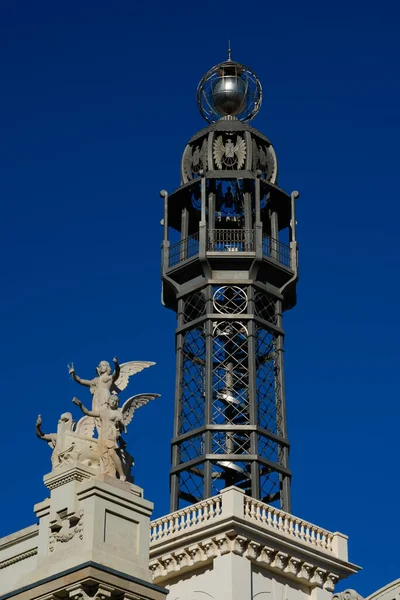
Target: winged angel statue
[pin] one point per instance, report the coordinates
(76, 442)
(229, 155)
(112, 420)
(107, 382)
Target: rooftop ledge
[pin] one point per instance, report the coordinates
(234, 522)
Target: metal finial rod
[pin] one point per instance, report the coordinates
(229, 50)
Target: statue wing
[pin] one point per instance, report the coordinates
(133, 404)
(85, 427)
(219, 151)
(240, 150)
(126, 370)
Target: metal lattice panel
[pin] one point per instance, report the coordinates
(192, 380)
(265, 307)
(191, 484)
(269, 400)
(270, 486)
(231, 442)
(191, 448)
(226, 473)
(230, 377)
(269, 449)
(194, 306)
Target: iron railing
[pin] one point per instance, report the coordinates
(186, 248)
(273, 248)
(230, 240)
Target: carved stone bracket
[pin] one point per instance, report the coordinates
(84, 591)
(63, 530)
(347, 595)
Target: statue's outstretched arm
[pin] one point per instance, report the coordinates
(50, 437)
(117, 371)
(89, 413)
(75, 377)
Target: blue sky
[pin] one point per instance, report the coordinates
(98, 101)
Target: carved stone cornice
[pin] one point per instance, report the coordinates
(205, 551)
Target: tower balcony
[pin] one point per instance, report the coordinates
(231, 249)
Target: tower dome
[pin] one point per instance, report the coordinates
(228, 146)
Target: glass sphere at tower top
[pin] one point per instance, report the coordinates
(229, 89)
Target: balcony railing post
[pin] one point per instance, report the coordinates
(165, 254)
(258, 241)
(203, 240)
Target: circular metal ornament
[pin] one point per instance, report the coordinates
(230, 300)
(229, 90)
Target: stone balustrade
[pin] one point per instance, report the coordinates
(232, 502)
(274, 518)
(186, 518)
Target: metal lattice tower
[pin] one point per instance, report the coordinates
(229, 270)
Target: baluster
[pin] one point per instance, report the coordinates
(199, 513)
(286, 524)
(296, 531)
(269, 517)
(263, 514)
(308, 537)
(188, 518)
(164, 527)
(291, 527)
(321, 538)
(252, 511)
(258, 512)
(218, 509)
(168, 522)
(280, 522)
(313, 536)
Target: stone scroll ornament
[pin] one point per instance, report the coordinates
(75, 442)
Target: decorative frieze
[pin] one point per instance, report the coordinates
(14, 559)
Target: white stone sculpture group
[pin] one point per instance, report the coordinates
(75, 442)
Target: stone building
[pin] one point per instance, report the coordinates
(230, 269)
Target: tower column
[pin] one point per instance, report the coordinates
(225, 280)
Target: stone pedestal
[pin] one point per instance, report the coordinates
(92, 541)
(98, 519)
